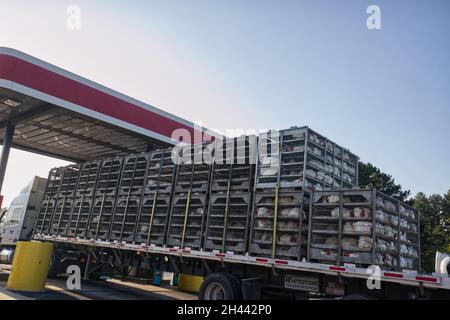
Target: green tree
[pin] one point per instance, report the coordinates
(434, 226)
(371, 176)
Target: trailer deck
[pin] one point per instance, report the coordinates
(405, 278)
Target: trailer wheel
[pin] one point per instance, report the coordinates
(220, 286)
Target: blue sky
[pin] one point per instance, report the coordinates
(384, 94)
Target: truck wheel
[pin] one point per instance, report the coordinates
(220, 286)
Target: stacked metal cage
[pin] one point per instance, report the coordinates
(104, 199)
(291, 163)
(283, 195)
(49, 201)
(278, 224)
(128, 200)
(190, 197)
(363, 227)
(65, 201)
(83, 199)
(156, 199)
(230, 198)
(300, 157)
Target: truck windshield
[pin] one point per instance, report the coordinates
(12, 217)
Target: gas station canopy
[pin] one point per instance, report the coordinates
(56, 113)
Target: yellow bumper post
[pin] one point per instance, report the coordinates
(30, 266)
(189, 283)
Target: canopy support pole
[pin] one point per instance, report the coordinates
(7, 142)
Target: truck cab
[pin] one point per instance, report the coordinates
(18, 221)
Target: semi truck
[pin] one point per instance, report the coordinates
(17, 222)
(144, 214)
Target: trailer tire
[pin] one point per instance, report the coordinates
(220, 286)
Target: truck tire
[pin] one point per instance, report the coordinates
(220, 286)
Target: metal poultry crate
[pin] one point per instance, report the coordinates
(193, 172)
(227, 222)
(156, 200)
(153, 219)
(109, 177)
(58, 199)
(133, 174)
(187, 219)
(124, 218)
(106, 191)
(127, 204)
(61, 215)
(300, 157)
(79, 218)
(69, 180)
(234, 164)
(75, 224)
(49, 200)
(100, 218)
(279, 224)
(190, 198)
(230, 199)
(88, 179)
(363, 227)
(160, 174)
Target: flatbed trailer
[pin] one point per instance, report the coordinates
(254, 277)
